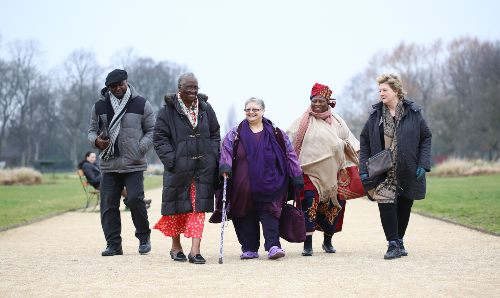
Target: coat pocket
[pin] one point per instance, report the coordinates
(132, 151)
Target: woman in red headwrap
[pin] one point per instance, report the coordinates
(324, 145)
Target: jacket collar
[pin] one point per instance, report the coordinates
(171, 100)
(105, 92)
(407, 103)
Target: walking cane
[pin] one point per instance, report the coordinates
(223, 222)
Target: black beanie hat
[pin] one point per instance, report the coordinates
(116, 76)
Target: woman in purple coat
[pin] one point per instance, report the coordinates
(260, 162)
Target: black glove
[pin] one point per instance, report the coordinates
(298, 182)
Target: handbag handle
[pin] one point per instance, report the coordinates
(296, 199)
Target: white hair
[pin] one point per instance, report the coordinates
(258, 101)
(185, 76)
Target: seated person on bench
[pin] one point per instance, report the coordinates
(93, 173)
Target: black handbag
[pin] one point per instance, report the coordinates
(379, 163)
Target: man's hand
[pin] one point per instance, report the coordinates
(101, 144)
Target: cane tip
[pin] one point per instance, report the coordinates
(220, 261)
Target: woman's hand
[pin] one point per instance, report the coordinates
(363, 177)
(225, 175)
(420, 173)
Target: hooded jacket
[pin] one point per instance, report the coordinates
(136, 132)
(187, 154)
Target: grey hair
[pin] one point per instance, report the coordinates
(185, 76)
(258, 101)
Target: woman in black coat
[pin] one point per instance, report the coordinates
(396, 123)
(90, 169)
(187, 140)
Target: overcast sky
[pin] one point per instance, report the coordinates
(275, 50)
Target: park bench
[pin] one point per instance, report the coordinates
(91, 193)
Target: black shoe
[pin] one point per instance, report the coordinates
(307, 252)
(178, 256)
(197, 259)
(402, 249)
(328, 248)
(393, 251)
(144, 246)
(112, 250)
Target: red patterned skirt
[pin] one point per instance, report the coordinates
(190, 224)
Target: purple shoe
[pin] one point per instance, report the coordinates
(247, 255)
(275, 252)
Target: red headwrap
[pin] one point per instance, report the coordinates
(322, 90)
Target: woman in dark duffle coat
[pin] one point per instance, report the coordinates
(396, 123)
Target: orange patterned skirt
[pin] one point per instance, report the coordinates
(190, 224)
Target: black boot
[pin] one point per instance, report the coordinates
(144, 246)
(327, 244)
(392, 251)
(112, 250)
(404, 252)
(308, 250)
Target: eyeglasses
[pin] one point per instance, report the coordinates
(252, 110)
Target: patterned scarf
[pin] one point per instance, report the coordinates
(385, 192)
(115, 124)
(191, 112)
(304, 124)
(320, 149)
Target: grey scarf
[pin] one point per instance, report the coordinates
(115, 124)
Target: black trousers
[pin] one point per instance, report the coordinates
(395, 217)
(248, 230)
(111, 186)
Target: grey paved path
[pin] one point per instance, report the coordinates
(60, 257)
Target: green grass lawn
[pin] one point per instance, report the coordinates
(473, 201)
(62, 192)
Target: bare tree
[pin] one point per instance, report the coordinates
(154, 79)
(24, 55)
(8, 92)
(458, 86)
(78, 92)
